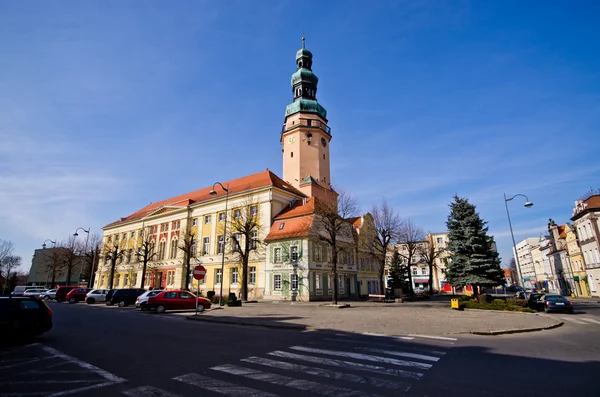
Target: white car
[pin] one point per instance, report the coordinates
(34, 291)
(96, 295)
(47, 295)
(142, 300)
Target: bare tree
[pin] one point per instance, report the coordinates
(411, 237)
(333, 227)
(429, 253)
(9, 262)
(92, 257)
(70, 259)
(145, 252)
(388, 226)
(6, 249)
(244, 230)
(187, 244)
(113, 251)
(53, 265)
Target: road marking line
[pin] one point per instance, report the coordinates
(148, 391)
(389, 345)
(98, 371)
(86, 388)
(48, 382)
(326, 373)
(367, 357)
(347, 364)
(572, 320)
(590, 320)
(29, 361)
(222, 387)
(288, 381)
(388, 336)
(400, 354)
(434, 337)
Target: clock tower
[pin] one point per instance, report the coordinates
(305, 135)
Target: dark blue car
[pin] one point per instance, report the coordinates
(557, 303)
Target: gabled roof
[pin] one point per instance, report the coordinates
(260, 180)
(297, 220)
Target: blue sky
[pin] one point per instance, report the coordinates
(106, 106)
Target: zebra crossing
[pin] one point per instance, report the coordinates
(336, 365)
(580, 320)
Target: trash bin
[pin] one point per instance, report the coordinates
(454, 304)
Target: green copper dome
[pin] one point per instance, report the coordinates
(303, 52)
(306, 106)
(304, 75)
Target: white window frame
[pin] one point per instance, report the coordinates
(170, 277)
(253, 210)
(277, 255)
(277, 282)
(341, 283)
(235, 275)
(318, 281)
(237, 213)
(218, 276)
(207, 219)
(173, 253)
(253, 239)
(252, 275)
(220, 243)
(294, 252)
(222, 216)
(206, 246)
(294, 281)
(195, 222)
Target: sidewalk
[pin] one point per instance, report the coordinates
(431, 318)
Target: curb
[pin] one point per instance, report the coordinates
(516, 331)
(293, 327)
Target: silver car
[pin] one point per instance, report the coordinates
(34, 291)
(49, 294)
(142, 300)
(96, 295)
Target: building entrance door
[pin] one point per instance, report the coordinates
(158, 281)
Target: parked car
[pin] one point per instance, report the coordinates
(21, 289)
(177, 300)
(557, 303)
(535, 302)
(34, 291)
(23, 317)
(77, 295)
(96, 295)
(124, 297)
(62, 291)
(47, 295)
(142, 300)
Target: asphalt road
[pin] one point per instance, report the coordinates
(111, 351)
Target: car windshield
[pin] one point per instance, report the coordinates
(554, 298)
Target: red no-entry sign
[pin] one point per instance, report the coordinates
(199, 272)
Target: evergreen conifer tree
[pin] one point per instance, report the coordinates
(473, 260)
(398, 272)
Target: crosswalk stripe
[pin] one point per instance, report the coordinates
(401, 354)
(360, 356)
(572, 320)
(148, 391)
(287, 381)
(390, 345)
(221, 387)
(347, 364)
(326, 373)
(388, 336)
(590, 320)
(434, 337)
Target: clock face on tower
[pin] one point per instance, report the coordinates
(291, 139)
(324, 142)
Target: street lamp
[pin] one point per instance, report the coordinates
(527, 205)
(44, 244)
(213, 192)
(84, 249)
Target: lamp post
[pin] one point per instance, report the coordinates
(84, 249)
(44, 247)
(527, 205)
(213, 192)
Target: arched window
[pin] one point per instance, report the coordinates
(162, 246)
(173, 248)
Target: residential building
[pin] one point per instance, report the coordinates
(551, 283)
(525, 261)
(541, 273)
(585, 221)
(419, 268)
(48, 268)
(559, 257)
(577, 262)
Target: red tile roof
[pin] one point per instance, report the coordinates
(262, 179)
(292, 227)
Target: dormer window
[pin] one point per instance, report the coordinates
(281, 225)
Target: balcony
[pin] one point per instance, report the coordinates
(310, 123)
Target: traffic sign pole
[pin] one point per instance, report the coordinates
(199, 273)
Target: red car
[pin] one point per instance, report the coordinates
(77, 295)
(176, 300)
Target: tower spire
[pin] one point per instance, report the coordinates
(303, 38)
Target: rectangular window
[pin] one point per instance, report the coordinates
(175, 225)
(294, 282)
(205, 245)
(415, 272)
(221, 217)
(132, 234)
(254, 210)
(206, 219)
(218, 276)
(253, 239)
(234, 275)
(341, 284)
(174, 248)
(134, 280)
(235, 243)
(117, 280)
(318, 253)
(220, 244)
(164, 227)
(126, 280)
(195, 222)
(277, 282)
(294, 253)
(318, 281)
(193, 248)
(439, 240)
(423, 271)
(237, 214)
(171, 277)
(252, 275)
(277, 255)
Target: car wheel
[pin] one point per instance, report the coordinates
(109, 303)
(46, 298)
(122, 304)
(201, 307)
(90, 301)
(160, 309)
(143, 307)
(72, 300)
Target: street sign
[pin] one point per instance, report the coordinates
(199, 272)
